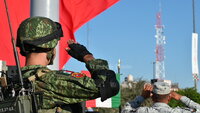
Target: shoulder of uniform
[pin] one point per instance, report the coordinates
(39, 72)
(43, 71)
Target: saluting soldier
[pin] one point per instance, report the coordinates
(37, 38)
(161, 95)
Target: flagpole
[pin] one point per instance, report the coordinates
(193, 13)
(49, 9)
(194, 32)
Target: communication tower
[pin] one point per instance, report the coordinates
(160, 50)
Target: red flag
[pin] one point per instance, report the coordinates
(75, 13)
(18, 11)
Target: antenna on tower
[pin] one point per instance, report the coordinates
(160, 6)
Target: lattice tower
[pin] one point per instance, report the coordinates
(160, 50)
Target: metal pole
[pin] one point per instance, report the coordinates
(195, 81)
(15, 49)
(49, 9)
(154, 74)
(194, 31)
(193, 12)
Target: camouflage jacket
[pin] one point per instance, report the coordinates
(158, 107)
(60, 87)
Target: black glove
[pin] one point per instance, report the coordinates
(78, 51)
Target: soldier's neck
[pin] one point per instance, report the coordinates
(162, 101)
(37, 59)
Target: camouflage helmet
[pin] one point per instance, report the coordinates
(38, 34)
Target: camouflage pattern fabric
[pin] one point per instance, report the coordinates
(60, 87)
(160, 107)
(54, 110)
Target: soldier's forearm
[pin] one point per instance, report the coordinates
(96, 64)
(131, 107)
(137, 102)
(188, 102)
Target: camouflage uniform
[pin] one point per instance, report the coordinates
(60, 87)
(158, 107)
(40, 34)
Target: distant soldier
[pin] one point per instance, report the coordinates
(161, 95)
(37, 38)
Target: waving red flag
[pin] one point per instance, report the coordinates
(75, 13)
(18, 11)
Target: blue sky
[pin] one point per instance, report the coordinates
(126, 31)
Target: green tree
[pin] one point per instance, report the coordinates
(128, 94)
(190, 93)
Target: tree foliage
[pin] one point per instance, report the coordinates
(128, 94)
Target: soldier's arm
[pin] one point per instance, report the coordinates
(104, 78)
(88, 57)
(133, 105)
(81, 53)
(191, 104)
(188, 102)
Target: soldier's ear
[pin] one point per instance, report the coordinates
(51, 55)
